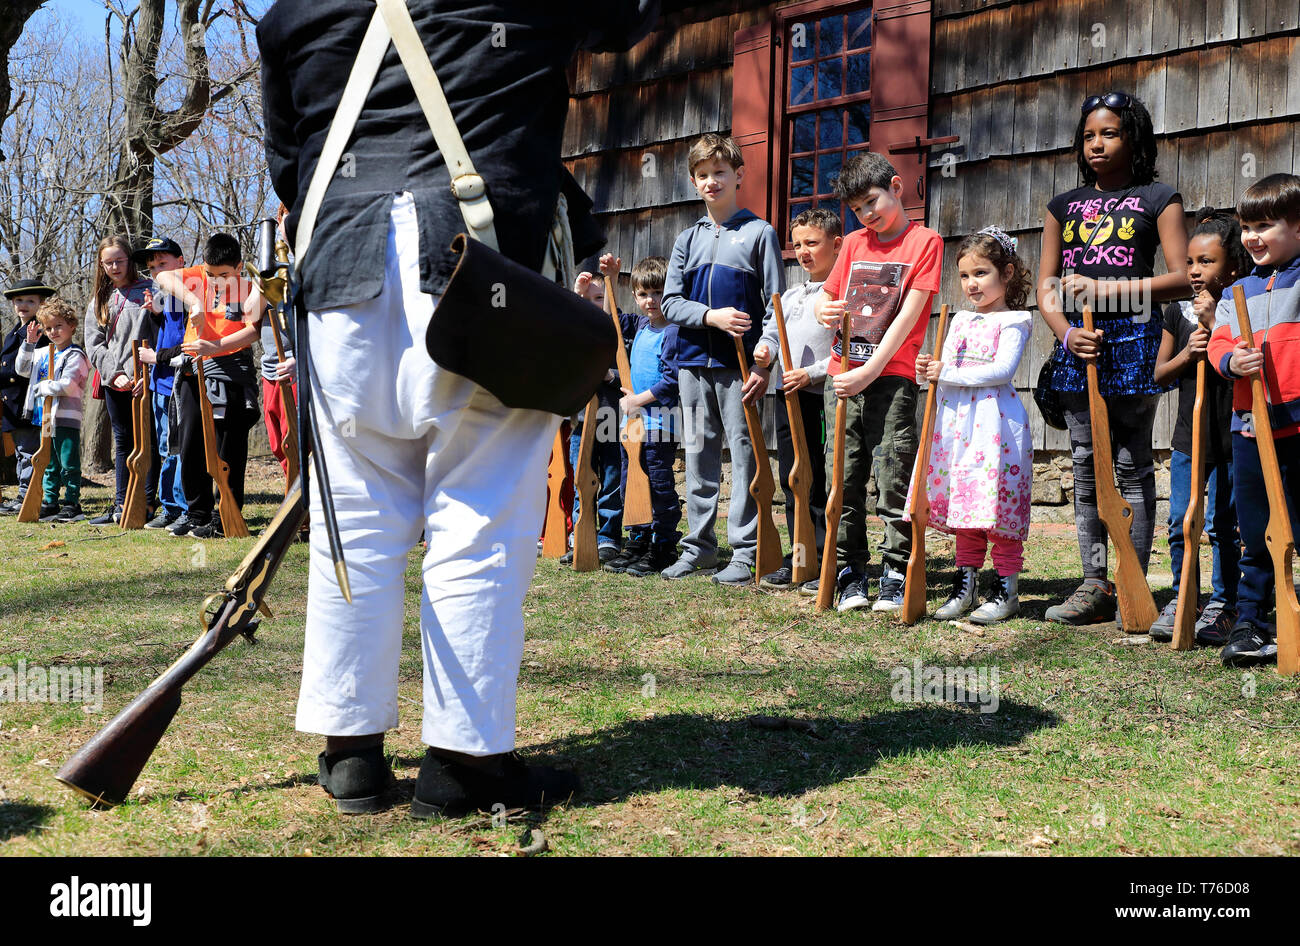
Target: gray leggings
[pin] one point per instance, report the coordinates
(1132, 418)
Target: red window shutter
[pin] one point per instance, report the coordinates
(900, 93)
(751, 103)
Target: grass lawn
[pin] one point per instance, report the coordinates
(703, 720)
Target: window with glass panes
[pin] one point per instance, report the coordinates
(827, 107)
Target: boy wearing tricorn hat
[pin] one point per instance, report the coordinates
(26, 296)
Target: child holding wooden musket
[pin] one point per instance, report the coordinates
(1215, 260)
(26, 296)
(57, 319)
(982, 459)
(653, 364)
(1103, 236)
(722, 274)
(816, 236)
(884, 278)
(1270, 231)
(606, 454)
(161, 255)
(224, 310)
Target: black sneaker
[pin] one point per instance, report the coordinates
(183, 525)
(161, 521)
(633, 551)
(10, 507)
(107, 518)
(49, 512)
(779, 579)
(809, 589)
(70, 512)
(1163, 628)
(607, 553)
(853, 590)
(1249, 645)
(449, 788)
(357, 779)
(567, 558)
(658, 557)
(1089, 604)
(1214, 626)
(210, 529)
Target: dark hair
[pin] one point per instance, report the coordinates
(1276, 197)
(222, 249)
(1135, 125)
(1224, 225)
(827, 221)
(993, 250)
(864, 170)
(649, 274)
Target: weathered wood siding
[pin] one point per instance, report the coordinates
(1220, 77)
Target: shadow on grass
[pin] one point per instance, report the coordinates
(690, 751)
(18, 818)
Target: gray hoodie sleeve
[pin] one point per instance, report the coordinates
(769, 264)
(96, 350)
(676, 307)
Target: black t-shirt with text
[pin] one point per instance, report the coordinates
(1180, 323)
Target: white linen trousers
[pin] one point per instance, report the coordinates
(412, 446)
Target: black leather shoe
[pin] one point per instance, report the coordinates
(448, 788)
(357, 779)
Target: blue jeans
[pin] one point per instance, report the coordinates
(1220, 525)
(170, 494)
(658, 454)
(1255, 600)
(607, 462)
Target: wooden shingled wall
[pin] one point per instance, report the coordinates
(1220, 77)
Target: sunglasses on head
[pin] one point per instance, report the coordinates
(1110, 100)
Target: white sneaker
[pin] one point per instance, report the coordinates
(963, 595)
(1003, 606)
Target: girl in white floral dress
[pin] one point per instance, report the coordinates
(981, 460)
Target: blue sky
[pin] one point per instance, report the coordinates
(86, 16)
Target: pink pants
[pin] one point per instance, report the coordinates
(1008, 554)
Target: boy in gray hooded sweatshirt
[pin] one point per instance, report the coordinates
(722, 275)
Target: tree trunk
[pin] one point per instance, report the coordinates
(13, 16)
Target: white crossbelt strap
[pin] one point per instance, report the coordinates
(392, 21)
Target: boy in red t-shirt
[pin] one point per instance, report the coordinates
(884, 277)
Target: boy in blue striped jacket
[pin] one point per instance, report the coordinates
(722, 275)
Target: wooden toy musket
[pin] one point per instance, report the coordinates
(762, 487)
(31, 508)
(555, 534)
(1277, 535)
(835, 493)
(803, 544)
(586, 556)
(135, 505)
(232, 519)
(289, 403)
(1189, 581)
(637, 509)
(1137, 608)
(914, 588)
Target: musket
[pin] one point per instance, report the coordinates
(273, 291)
(1189, 581)
(637, 509)
(914, 587)
(31, 508)
(1137, 608)
(835, 493)
(135, 505)
(803, 544)
(105, 768)
(232, 518)
(762, 487)
(586, 556)
(1277, 535)
(555, 534)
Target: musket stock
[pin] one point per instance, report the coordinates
(767, 557)
(835, 494)
(637, 509)
(1189, 580)
(135, 505)
(804, 559)
(914, 587)
(31, 507)
(555, 534)
(586, 557)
